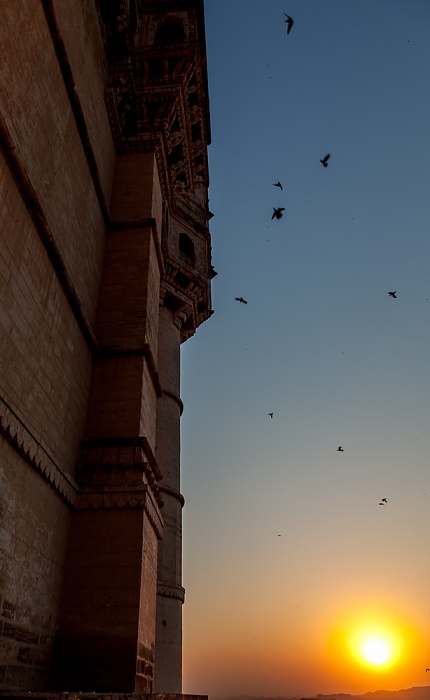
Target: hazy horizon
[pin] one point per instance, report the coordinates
(420, 691)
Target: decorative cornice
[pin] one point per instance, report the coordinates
(102, 457)
(168, 590)
(136, 497)
(188, 293)
(157, 93)
(173, 494)
(31, 449)
(175, 398)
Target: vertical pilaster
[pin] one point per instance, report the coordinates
(106, 636)
(170, 594)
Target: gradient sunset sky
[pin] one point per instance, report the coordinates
(288, 555)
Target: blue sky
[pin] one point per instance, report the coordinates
(320, 344)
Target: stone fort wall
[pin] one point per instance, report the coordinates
(104, 270)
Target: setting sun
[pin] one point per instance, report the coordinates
(376, 651)
(375, 647)
(372, 644)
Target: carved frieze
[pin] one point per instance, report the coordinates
(169, 591)
(114, 462)
(188, 293)
(157, 85)
(30, 448)
(130, 496)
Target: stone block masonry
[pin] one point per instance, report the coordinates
(30, 579)
(105, 270)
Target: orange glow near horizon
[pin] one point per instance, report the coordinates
(374, 645)
(349, 648)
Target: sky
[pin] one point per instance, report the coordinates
(288, 556)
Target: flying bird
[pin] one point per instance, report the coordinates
(382, 503)
(278, 184)
(427, 669)
(384, 500)
(289, 22)
(340, 449)
(277, 213)
(392, 294)
(241, 300)
(270, 414)
(324, 161)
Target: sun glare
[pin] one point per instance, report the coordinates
(375, 648)
(370, 645)
(376, 651)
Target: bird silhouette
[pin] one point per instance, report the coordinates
(384, 500)
(241, 300)
(381, 503)
(324, 161)
(289, 22)
(278, 184)
(340, 449)
(427, 669)
(392, 294)
(270, 414)
(277, 213)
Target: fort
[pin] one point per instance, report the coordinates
(105, 269)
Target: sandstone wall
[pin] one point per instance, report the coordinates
(55, 179)
(34, 526)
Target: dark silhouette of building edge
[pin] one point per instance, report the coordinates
(105, 269)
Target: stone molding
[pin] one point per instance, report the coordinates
(173, 494)
(187, 294)
(189, 313)
(175, 398)
(99, 452)
(34, 207)
(168, 590)
(104, 462)
(123, 497)
(160, 94)
(31, 449)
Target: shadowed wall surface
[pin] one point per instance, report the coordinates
(104, 127)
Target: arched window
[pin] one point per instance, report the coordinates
(186, 249)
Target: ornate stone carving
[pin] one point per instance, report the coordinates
(170, 591)
(30, 448)
(118, 22)
(103, 460)
(173, 494)
(158, 89)
(130, 496)
(189, 295)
